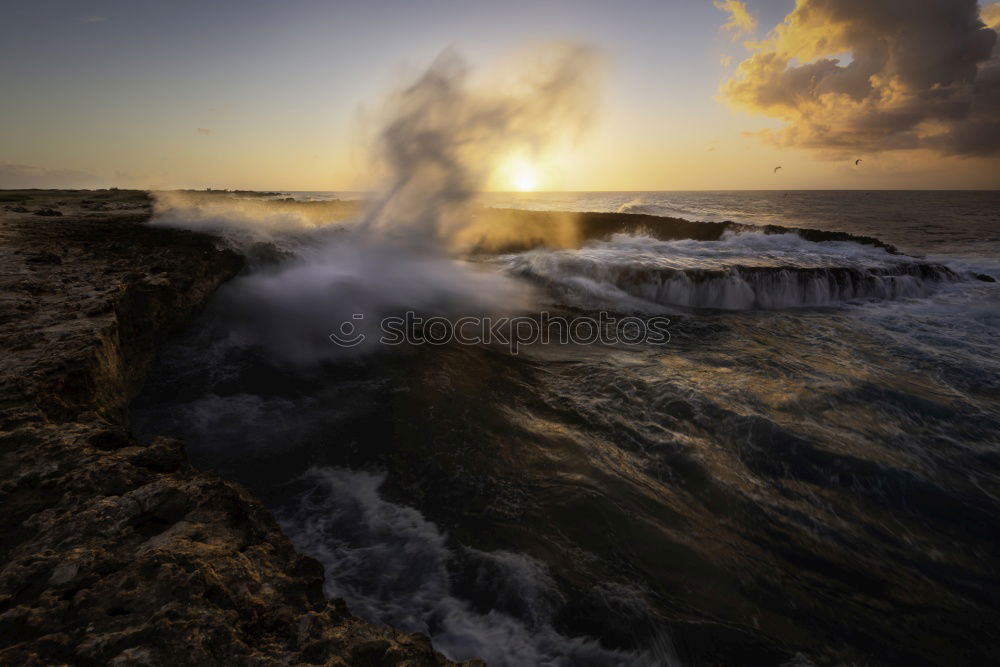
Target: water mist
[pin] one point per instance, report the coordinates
(438, 146)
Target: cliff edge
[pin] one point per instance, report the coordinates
(112, 551)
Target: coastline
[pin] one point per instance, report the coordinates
(115, 551)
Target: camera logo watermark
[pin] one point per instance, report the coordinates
(349, 336)
(511, 332)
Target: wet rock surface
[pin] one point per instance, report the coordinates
(114, 551)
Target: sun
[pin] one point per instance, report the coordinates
(524, 176)
(517, 173)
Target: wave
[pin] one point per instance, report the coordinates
(740, 271)
(517, 230)
(393, 566)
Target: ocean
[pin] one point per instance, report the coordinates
(805, 472)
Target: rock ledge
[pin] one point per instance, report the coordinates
(115, 552)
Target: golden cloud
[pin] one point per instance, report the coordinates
(741, 21)
(853, 76)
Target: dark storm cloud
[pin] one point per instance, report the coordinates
(919, 74)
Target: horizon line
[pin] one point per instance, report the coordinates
(509, 192)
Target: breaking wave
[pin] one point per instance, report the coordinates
(393, 566)
(740, 271)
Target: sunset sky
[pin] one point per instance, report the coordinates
(695, 94)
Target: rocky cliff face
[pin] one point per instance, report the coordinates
(112, 551)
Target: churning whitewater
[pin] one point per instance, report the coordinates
(738, 272)
(822, 390)
(798, 475)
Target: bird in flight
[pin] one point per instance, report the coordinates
(776, 169)
(857, 162)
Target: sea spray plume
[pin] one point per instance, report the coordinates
(438, 146)
(247, 221)
(444, 134)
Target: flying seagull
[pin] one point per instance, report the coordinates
(776, 169)
(857, 162)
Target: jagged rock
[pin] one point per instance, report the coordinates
(114, 552)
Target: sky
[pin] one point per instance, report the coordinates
(694, 94)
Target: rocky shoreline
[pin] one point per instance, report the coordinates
(119, 552)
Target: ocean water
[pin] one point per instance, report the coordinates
(807, 473)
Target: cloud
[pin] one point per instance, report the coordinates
(204, 130)
(22, 176)
(741, 21)
(990, 15)
(94, 19)
(917, 75)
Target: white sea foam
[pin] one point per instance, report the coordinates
(738, 272)
(392, 566)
